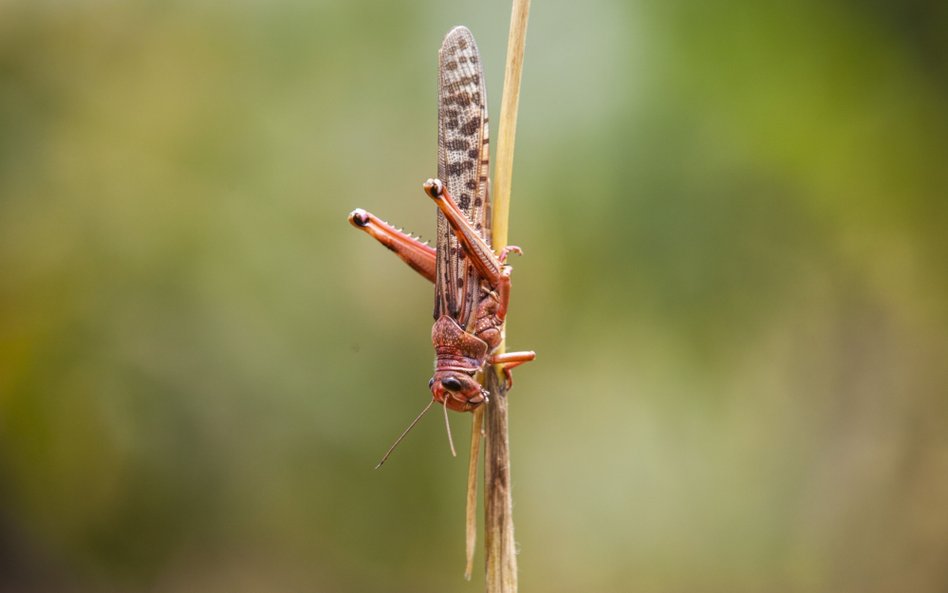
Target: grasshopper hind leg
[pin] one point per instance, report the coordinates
(416, 253)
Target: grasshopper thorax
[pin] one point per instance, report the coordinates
(459, 357)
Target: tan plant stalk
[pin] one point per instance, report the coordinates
(501, 558)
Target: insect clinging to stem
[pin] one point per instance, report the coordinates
(472, 282)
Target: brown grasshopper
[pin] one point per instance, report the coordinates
(472, 282)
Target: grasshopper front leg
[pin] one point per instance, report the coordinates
(508, 360)
(418, 255)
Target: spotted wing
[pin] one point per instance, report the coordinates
(463, 166)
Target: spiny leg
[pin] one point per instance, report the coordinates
(418, 255)
(483, 257)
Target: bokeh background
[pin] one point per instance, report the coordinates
(734, 217)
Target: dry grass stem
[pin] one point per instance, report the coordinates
(501, 559)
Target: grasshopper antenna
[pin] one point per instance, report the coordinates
(448, 425)
(405, 432)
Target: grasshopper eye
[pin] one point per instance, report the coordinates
(430, 382)
(451, 383)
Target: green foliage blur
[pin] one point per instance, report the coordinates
(735, 224)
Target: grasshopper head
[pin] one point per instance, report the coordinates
(458, 391)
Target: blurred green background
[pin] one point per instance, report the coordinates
(734, 217)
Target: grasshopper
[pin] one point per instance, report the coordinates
(472, 282)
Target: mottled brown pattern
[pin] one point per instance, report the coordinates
(463, 149)
(471, 126)
(459, 97)
(456, 169)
